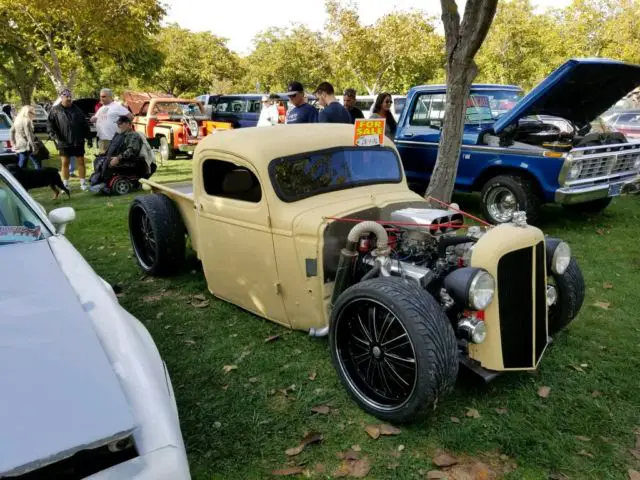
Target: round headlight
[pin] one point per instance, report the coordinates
(575, 170)
(561, 258)
(481, 290)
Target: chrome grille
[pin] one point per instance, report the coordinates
(596, 166)
(625, 162)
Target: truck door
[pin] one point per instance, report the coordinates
(235, 241)
(418, 137)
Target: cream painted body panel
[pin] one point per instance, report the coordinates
(487, 252)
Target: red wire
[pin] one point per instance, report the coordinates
(402, 224)
(460, 211)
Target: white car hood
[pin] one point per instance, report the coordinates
(58, 391)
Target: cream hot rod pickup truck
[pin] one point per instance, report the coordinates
(300, 227)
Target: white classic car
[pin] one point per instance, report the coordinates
(84, 391)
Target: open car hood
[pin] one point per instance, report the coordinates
(578, 91)
(60, 394)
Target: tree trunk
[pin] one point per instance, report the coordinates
(26, 93)
(463, 39)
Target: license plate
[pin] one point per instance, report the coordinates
(615, 189)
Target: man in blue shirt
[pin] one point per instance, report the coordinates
(333, 111)
(301, 112)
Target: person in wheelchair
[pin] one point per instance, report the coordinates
(124, 156)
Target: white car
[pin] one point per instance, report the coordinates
(7, 154)
(85, 393)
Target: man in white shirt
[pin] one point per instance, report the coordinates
(105, 119)
(269, 112)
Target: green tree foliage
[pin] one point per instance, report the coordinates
(19, 71)
(193, 62)
(62, 35)
(400, 50)
(282, 55)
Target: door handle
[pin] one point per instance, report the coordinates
(408, 135)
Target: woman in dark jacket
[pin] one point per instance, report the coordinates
(69, 127)
(382, 109)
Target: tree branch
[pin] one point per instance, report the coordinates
(451, 21)
(478, 15)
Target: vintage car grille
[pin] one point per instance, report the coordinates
(516, 302)
(608, 164)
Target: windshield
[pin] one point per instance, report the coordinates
(176, 108)
(5, 123)
(299, 177)
(18, 222)
(499, 102)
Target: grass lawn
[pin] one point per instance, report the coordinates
(237, 425)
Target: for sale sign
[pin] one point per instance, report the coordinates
(368, 133)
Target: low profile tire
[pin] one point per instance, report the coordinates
(594, 206)
(570, 288)
(121, 186)
(505, 194)
(393, 347)
(166, 152)
(157, 234)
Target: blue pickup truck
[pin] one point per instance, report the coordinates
(523, 151)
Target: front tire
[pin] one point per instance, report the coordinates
(157, 234)
(594, 206)
(570, 288)
(505, 194)
(393, 347)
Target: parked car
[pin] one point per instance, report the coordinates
(85, 393)
(626, 122)
(300, 227)
(7, 154)
(40, 119)
(173, 125)
(518, 164)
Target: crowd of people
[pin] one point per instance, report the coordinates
(332, 110)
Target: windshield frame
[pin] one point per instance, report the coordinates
(334, 188)
(48, 230)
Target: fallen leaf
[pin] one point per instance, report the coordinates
(350, 454)
(607, 285)
(321, 409)
(253, 379)
(501, 411)
(101, 248)
(633, 475)
(199, 297)
(319, 468)
(109, 204)
(190, 342)
(228, 368)
(284, 472)
(584, 453)
(444, 459)
(312, 376)
(584, 365)
(393, 466)
(455, 419)
(373, 431)
(217, 424)
(151, 298)
(558, 476)
(272, 338)
(199, 303)
(543, 392)
(224, 387)
(635, 453)
(159, 315)
(596, 394)
(603, 305)
(386, 429)
(291, 452)
(577, 368)
(583, 439)
(436, 475)
(354, 468)
(311, 438)
(400, 448)
(472, 413)
(356, 448)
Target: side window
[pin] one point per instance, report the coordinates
(255, 106)
(144, 110)
(428, 111)
(227, 180)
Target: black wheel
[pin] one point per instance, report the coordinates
(121, 186)
(393, 347)
(570, 289)
(166, 152)
(157, 234)
(505, 194)
(594, 206)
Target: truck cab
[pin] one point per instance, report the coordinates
(523, 151)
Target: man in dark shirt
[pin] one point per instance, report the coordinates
(301, 112)
(349, 101)
(333, 111)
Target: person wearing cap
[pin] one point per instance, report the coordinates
(349, 101)
(123, 152)
(301, 112)
(332, 111)
(69, 128)
(269, 111)
(105, 119)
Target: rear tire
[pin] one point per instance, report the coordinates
(121, 186)
(594, 206)
(403, 358)
(505, 194)
(570, 287)
(166, 152)
(157, 234)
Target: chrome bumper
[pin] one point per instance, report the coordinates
(586, 193)
(187, 147)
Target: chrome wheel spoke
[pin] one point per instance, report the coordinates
(386, 323)
(385, 383)
(402, 336)
(372, 323)
(401, 361)
(358, 359)
(364, 329)
(360, 342)
(395, 375)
